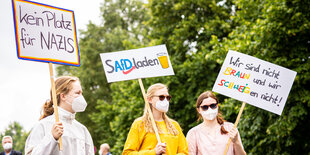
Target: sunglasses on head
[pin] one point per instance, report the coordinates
(212, 106)
(162, 97)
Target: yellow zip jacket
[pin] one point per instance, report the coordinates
(141, 143)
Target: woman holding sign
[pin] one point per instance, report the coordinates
(76, 139)
(211, 136)
(141, 137)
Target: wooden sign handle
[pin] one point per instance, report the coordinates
(235, 125)
(54, 98)
(149, 110)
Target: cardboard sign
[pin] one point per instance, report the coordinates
(137, 63)
(45, 33)
(254, 81)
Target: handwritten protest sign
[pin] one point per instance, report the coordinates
(254, 81)
(45, 33)
(137, 63)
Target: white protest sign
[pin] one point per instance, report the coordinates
(137, 63)
(254, 81)
(45, 33)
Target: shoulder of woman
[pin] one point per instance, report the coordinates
(45, 121)
(48, 118)
(79, 124)
(42, 126)
(195, 129)
(228, 125)
(137, 123)
(175, 123)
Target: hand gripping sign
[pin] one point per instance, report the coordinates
(254, 81)
(45, 33)
(136, 64)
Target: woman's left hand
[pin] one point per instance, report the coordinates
(233, 134)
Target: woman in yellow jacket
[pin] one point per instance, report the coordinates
(141, 137)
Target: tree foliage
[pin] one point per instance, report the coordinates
(278, 32)
(198, 35)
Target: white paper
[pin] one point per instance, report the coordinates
(254, 81)
(137, 63)
(45, 33)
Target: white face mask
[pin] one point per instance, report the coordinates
(162, 106)
(210, 114)
(7, 146)
(79, 104)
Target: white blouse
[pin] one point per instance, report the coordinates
(76, 139)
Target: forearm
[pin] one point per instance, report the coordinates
(238, 149)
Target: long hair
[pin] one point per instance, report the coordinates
(219, 117)
(146, 120)
(63, 85)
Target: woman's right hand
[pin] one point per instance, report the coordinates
(57, 130)
(160, 148)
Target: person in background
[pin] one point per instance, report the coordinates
(104, 149)
(211, 136)
(7, 144)
(44, 136)
(141, 138)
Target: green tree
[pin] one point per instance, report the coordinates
(186, 28)
(198, 35)
(19, 135)
(276, 31)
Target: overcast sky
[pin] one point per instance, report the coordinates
(25, 85)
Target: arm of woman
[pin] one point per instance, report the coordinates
(183, 147)
(89, 145)
(39, 142)
(133, 143)
(235, 138)
(191, 141)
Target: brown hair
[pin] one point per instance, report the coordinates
(219, 117)
(63, 85)
(146, 119)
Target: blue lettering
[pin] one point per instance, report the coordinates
(127, 64)
(117, 66)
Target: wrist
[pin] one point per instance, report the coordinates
(236, 142)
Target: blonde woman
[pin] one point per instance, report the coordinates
(211, 136)
(141, 137)
(76, 139)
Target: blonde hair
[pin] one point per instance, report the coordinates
(63, 85)
(146, 120)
